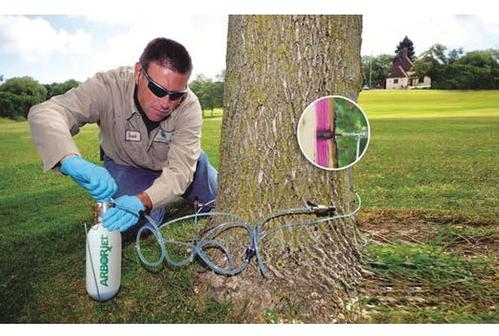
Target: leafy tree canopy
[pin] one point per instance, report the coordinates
(407, 44)
(209, 92)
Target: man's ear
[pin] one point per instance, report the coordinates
(136, 72)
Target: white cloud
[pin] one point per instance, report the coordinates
(204, 38)
(35, 40)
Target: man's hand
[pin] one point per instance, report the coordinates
(94, 179)
(124, 214)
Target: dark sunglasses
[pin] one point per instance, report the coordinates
(160, 91)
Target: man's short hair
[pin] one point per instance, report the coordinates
(168, 53)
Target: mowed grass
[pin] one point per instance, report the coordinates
(444, 164)
(429, 104)
(431, 174)
(431, 152)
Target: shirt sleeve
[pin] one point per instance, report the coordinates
(54, 122)
(183, 155)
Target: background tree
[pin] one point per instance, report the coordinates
(55, 89)
(209, 92)
(439, 55)
(454, 54)
(18, 94)
(407, 44)
(217, 90)
(276, 66)
(376, 69)
(476, 70)
(481, 58)
(201, 87)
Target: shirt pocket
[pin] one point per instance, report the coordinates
(160, 146)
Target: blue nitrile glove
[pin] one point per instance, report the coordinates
(94, 179)
(125, 213)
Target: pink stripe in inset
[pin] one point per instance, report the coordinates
(322, 123)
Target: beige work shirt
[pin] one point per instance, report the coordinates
(107, 99)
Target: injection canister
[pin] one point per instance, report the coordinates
(103, 259)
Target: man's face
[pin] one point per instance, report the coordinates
(157, 108)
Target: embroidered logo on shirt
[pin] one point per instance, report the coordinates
(163, 136)
(132, 136)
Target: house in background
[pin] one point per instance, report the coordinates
(403, 77)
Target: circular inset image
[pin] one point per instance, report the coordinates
(333, 132)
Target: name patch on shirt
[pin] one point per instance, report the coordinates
(163, 136)
(132, 136)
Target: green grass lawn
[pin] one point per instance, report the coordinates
(432, 165)
(431, 152)
(444, 164)
(429, 104)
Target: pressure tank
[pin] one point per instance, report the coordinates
(103, 259)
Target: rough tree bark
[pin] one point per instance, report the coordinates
(276, 66)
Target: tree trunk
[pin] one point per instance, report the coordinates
(276, 66)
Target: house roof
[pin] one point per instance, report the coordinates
(401, 66)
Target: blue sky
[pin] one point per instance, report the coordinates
(54, 48)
